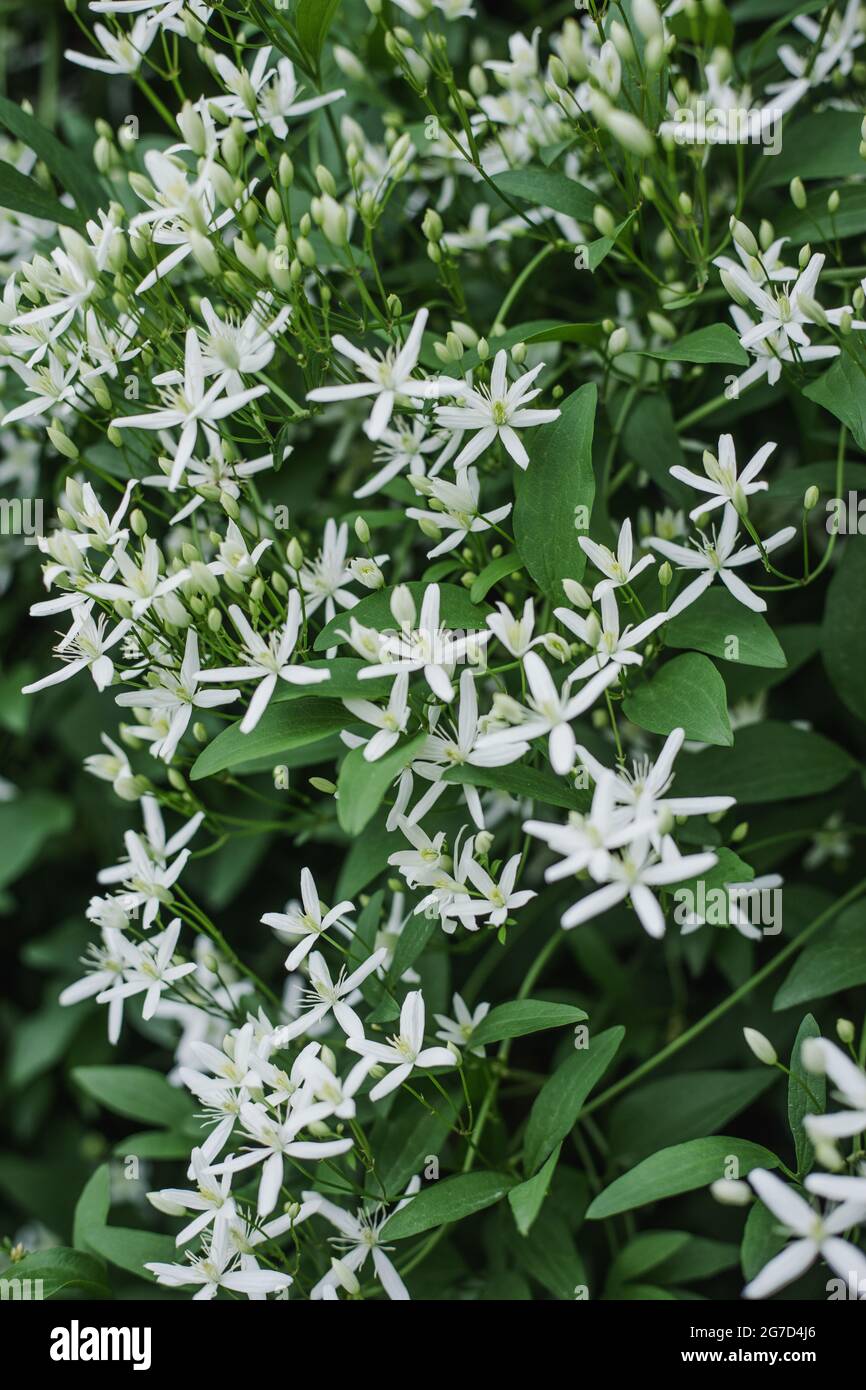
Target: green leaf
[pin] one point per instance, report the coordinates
(816, 224)
(823, 145)
(130, 1249)
(93, 1205)
(446, 1201)
(717, 343)
(842, 391)
(677, 1108)
(834, 961)
(710, 624)
(687, 693)
(842, 652)
(649, 438)
(560, 1100)
(544, 188)
(680, 1108)
(522, 1016)
(313, 19)
(679, 1169)
(646, 1252)
(560, 467)
(58, 1268)
(343, 683)
(361, 785)
(282, 727)
(762, 1240)
(158, 1144)
(456, 610)
(26, 823)
(402, 1142)
(799, 1100)
(526, 1199)
(73, 173)
(498, 569)
(768, 762)
(23, 194)
(524, 783)
(136, 1093)
(697, 1259)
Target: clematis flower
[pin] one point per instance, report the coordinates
(814, 1236)
(406, 1049)
(716, 556)
(497, 411)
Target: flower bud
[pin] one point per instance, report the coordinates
(743, 237)
(761, 1046)
(810, 500)
(798, 193)
(577, 594)
(731, 1192)
(845, 1031)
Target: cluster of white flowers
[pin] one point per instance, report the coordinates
(219, 318)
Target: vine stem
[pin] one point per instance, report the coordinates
(727, 1004)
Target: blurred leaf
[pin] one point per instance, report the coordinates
(135, 1093)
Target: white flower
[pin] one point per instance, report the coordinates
(461, 515)
(360, 1236)
(276, 1140)
(239, 347)
(458, 1031)
(189, 404)
(327, 1087)
(497, 410)
(632, 874)
(53, 383)
(821, 1055)
(212, 1198)
(643, 789)
(84, 649)
(515, 634)
(389, 377)
(179, 210)
(141, 586)
(114, 767)
(722, 481)
(461, 746)
(407, 445)
(550, 712)
(405, 1051)
(425, 860)
(104, 966)
(309, 924)
(218, 1267)
(268, 661)
(497, 899)
(328, 995)
(391, 721)
(266, 96)
(783, 312)
(583, 841)
(324, 579)
(429, 647)
(717, 556)
(148, 969)
(176, 696)
(609, 644)
(815, 1235)
(146, 873)
(618, 569)
(125, 51)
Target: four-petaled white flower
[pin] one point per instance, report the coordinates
(716, 556)
(499, 411)
(268, 661)
(814, 1235)
(404, 1051)
(388, 377)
